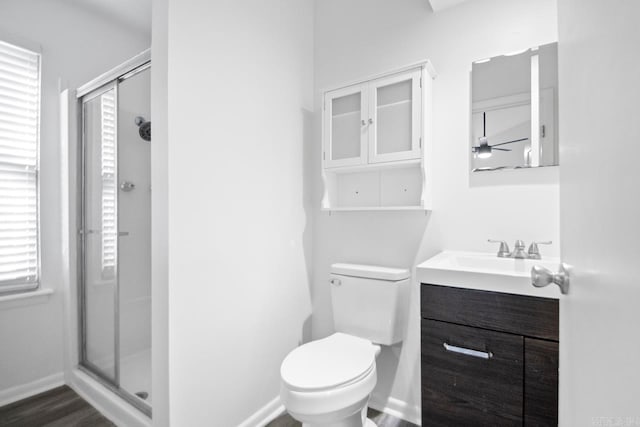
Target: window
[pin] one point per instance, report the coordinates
(19, 140)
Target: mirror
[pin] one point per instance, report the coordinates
(514, 110)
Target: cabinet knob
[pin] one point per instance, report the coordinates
(370, 121)
(363, 122)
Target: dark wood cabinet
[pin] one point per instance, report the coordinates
(540, 382)
(488, 358)
(471, 390)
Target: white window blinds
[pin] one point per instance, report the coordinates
(19, 135)
(108, 171)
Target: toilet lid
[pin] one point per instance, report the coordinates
(328, 363)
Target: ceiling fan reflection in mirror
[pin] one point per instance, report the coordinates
(484, 150)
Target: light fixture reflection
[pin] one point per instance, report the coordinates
(484, 150)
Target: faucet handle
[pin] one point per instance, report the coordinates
(504, 251)
(533, 251)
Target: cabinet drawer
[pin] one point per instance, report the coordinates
(467, 390)
(516, 314)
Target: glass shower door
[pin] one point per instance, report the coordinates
(100, 347)
(134, 243)
(115, 239)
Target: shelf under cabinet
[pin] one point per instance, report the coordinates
(393, 186)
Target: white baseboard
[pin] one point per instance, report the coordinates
(398, 408)
(392, 406)
(264, 415)
(23, 391)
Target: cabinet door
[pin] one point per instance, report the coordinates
(395, 117)
(345, 127)
(470, 376)
(540, 383)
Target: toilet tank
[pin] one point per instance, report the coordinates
(370, 301)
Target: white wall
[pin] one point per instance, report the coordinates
(160, 215)
(76, 46)
(240, 90)
(359, 38)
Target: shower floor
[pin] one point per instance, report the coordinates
(135, 374)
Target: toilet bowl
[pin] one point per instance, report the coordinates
(328, 382)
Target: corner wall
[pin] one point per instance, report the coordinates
(240, 79)
(159, 215)
(360, 38)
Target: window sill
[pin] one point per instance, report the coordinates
(25, 298)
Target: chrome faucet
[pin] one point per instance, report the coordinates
(504, 251)
(534, 252)
(518, 251)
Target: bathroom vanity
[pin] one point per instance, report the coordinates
(489, 343)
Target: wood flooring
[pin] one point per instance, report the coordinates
(59, 407)
(62, 407)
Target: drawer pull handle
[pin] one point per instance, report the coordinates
(467, 351)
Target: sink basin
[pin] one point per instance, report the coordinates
(484, 271)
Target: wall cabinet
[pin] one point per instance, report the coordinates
(373, 141)
(488, 358)
(374, 122)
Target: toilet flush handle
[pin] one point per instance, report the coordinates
(335, 282)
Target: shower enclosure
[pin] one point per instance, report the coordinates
(114, 247)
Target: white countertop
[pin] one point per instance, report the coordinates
(486, 272)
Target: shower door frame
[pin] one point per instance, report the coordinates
(103, 83)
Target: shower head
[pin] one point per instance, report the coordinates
(144, 128)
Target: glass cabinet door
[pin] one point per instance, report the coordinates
(345, 127)
(395, 125)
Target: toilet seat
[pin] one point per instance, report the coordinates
(332, 362)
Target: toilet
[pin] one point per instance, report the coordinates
(327, 382)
